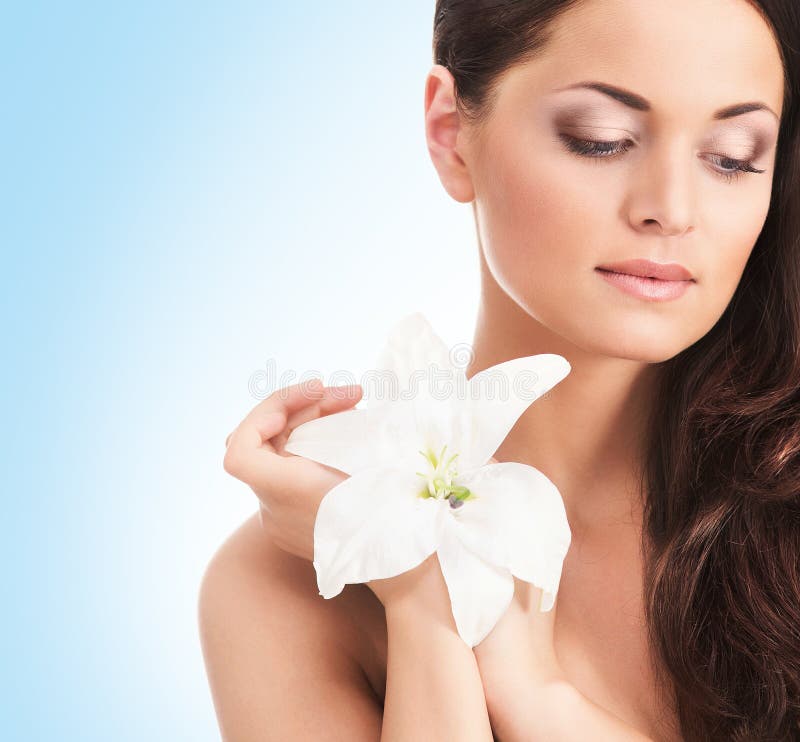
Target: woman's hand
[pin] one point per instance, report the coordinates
(517, 659)
(290, 488)
(422, 586)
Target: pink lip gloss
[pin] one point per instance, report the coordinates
(651, 289)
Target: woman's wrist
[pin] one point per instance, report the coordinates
(433, 687)
(422, 587)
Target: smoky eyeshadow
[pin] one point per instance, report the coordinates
(579, 117)
(756, 139)
(583, 115)
(590, 115)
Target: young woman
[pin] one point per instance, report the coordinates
(587, 135)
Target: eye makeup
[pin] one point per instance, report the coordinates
(587, 115)
(590, 132)
(589, 105)
(728, 168)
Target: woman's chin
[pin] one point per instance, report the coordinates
(644, 344)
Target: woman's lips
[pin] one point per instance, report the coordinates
(651, 289)
(649, 269)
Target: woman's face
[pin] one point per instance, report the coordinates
(662, 185)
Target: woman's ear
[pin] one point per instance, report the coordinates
(442, 127)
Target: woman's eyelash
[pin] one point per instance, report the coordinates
(590, 148)
(595, 149)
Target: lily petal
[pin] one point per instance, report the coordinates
(480, 592)
(354, 439)
(518, 521)
(405, 362)
(497, 397)
(371, 526)
(438, 421)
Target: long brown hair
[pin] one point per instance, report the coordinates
(721, 481)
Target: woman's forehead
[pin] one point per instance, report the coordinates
(683, 56)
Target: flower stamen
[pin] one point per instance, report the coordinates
(439, 479)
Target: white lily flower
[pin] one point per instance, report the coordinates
(421, 481)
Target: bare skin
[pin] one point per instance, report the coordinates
(260, 611)
(545, 218)
(598, 641)
(598, 638)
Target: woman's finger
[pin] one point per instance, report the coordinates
(252, 453)
(267, 419)
(334, 399)
(285, 401)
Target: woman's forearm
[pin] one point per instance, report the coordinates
(561, 712)
(528, 694)
(433, 687)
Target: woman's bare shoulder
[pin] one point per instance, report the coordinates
(269, 638)
(248, 555)
(249, 572)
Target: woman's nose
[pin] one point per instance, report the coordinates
(662, 194)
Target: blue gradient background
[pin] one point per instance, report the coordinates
(192, 194)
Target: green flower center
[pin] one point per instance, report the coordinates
(439, 478)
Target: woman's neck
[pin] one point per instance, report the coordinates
(587, 434)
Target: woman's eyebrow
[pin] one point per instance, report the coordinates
(642, 104)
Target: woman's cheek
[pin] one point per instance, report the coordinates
(722, 262)
(527, 236)
(538, 205)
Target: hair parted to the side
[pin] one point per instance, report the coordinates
(721, 480)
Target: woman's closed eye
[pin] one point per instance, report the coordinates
(729, 168)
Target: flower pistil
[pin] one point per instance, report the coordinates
(440, 476)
